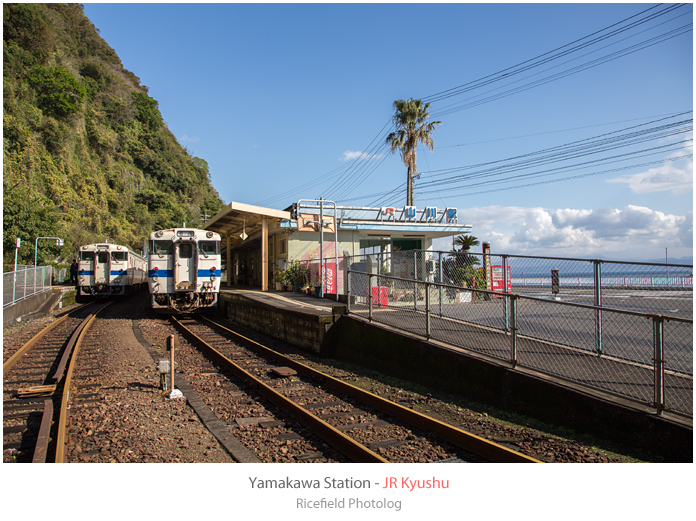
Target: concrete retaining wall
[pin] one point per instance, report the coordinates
(300, 328)
(40, 304)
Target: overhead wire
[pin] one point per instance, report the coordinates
(547, 57)
(578, 144)
(346, 179)
(589, 174)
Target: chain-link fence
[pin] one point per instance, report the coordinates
(624, 350)
(17, 285)
(651, 288)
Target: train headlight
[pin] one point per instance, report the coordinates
(212, 276)
(159, 233)
(209, 235)
(155, 278)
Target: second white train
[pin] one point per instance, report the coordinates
(106, 270)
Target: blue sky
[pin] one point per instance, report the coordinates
(280, 99)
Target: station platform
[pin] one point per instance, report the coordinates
(291, 299)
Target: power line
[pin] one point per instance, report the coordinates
(347, 179)
(558, 131)
(550, 56)
(642, 165)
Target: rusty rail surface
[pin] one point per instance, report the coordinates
(51, 415)
(470, 442)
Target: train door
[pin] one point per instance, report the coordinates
(102, 267)
(185, 269)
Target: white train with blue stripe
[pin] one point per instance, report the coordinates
(106, 270)
(184, 269)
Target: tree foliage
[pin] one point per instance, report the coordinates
(86, 154)
(59, 93)
(410, 119)
(465, 242)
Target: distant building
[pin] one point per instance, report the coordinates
(257, 242)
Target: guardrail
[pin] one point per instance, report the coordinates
(645, 357)
(20, 284)
(588, 281)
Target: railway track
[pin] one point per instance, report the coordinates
(36, 389)
(281, 404)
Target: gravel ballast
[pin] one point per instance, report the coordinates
(129, 419)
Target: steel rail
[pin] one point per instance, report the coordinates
(67, 383)
(351, 448)
(10, 363)
(465, 440)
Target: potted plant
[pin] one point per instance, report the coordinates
(280, 280)
(296, 275)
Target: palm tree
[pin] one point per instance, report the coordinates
(465, 242)
(466, 263)
(411, 128)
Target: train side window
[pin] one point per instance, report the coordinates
(162, 247)
(208, 247)
(185, 250)
(86, 255)
(118, 255)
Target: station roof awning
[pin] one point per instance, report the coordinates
(238, 217)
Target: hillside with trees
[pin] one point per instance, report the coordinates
(87, 155)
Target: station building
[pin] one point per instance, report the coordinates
(257, 242)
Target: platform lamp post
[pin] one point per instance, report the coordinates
(59, 242)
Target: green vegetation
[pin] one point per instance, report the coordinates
(86, 153)
(410, 119)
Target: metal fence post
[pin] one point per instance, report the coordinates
(439, 262)
(369, 296)
(513, 328)
(598, 303)
(505, 290)
(659, 362)
(415, 278)
(347, 291)
(427, 310)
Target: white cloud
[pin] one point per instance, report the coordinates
(667, 177)
(631, 233)
(188, 139)
(349, 155)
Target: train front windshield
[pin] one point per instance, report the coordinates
(161, 247)
(209, 247)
